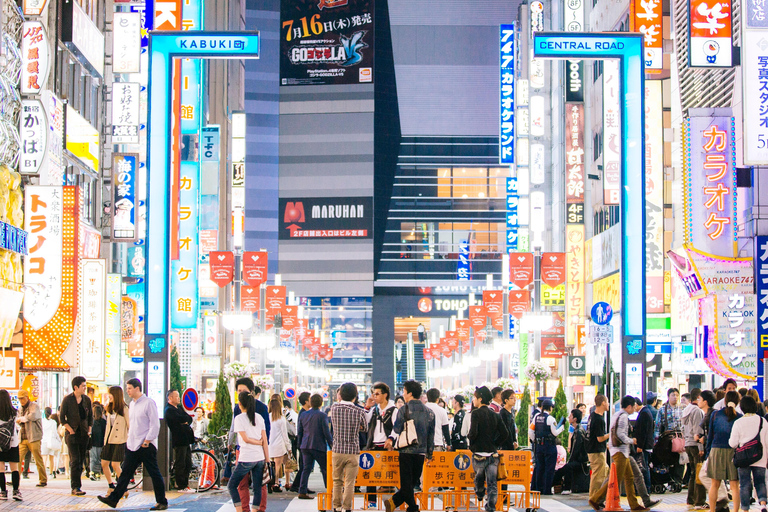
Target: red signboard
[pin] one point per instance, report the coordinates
(493, 301)
(249, 299)
(275, 300)
(290, 316)
(553, 268)
(498, 323)
(553, 347)
(462, 330)
(427, 354)
(222, 267)
(646, 17)
(558, 326)
(255, 267)
(477, 316)
(521, 269)
(519, 303)
(451, 339)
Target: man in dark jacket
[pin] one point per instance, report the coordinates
(76, 414)
(644, 426)
(411, 459)
(381, 414)
(182, 437)
(304, 403)
(578, 461)
(314, 438)
(508, 418)
(458, 442)
(486, 432)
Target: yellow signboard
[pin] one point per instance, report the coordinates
(574, 291)
(454, 470)
(608, 289)
(377, 468)
(82, 139)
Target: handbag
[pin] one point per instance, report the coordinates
(698, 471)
(678, 443)
(291, 464)
(615, 440)
(269, 474)
(501, 472)
(408, 435)
(750, 452)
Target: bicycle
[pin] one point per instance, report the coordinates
(204, 475)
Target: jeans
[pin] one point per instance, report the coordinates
(345, 467)
(148, 457)
(697, 494)
(746, 477)
(241, 471)
(182, 466)
(546, 459)
(486, 470)
(26, 447)
(245, 492)
(637, 476)
(96, 459)
(411, 465)
(309, 457)
(77, 447)
(599, 467)
(646, 469)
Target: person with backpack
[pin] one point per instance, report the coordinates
(750, 428)
(720, 465)
(9, 445)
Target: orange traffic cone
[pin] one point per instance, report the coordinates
(612, 500)
(207, 474)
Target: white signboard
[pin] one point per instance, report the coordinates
(52, 172)
(611, 132)
(537, 162)
(43, 265)
(737, 333)
(755, 104)
(601, 333)
(35, 58)
(93, 291)
(125, 113)
(112, 339)
(633, 379)
(9, 314)
(34, 7)
(126, 42)
(33, 130)
(87, 38)
(210, 335)
(574, 15)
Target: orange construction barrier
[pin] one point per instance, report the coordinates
(612, 500)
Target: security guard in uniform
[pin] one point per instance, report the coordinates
(546, 431)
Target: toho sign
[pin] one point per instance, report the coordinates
(164, 47)
(628, 50)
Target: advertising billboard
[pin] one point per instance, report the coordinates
(507, 94)
(754, 66)
(326, 42)
(326, 218)
(710, 30)
(654, 197)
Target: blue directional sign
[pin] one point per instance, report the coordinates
(628, 49)
(163, 48)
(601, 313)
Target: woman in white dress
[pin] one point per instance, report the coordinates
(51, 445)
(279, 443)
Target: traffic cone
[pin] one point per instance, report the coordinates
(612, 500)
(207, 474)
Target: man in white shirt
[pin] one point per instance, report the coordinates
(442, 432)
(141, 447)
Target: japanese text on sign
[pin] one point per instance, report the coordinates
(507, 94)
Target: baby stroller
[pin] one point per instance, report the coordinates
(663, 459)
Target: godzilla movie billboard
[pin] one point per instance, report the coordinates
(326, 42)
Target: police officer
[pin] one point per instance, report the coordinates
(546, 431)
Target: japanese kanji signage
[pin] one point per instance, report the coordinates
(377, 468)
(520, 269)
(9, 369)
(125, 113)
(326, 42)
(167, 15)
(255, 267)
(50, 274)
(574, 290)
(575, 171)
(611, 132)
(210, 143)
(125, 187)
(222, 267)
(736, 334)
(513, 204)
(454, 469)
(464, 265)
(126, 42)
(709, 184)
(184, 271)
(646, 17)
(507, 94)
(761, 287)
(710, 43)
(35, 58)
(33, 130)
(52, 170)
(34, 7)
(654, 198)
(93, 290)
(754, 68)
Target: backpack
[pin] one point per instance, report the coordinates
(6, 435)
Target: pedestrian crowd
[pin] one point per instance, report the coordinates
(712, 443)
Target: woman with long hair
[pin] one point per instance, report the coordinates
(115, 435)
(279, 443)
(254, 450)
(51, 444)
(719, 452)
(11, 455)
(745, 429)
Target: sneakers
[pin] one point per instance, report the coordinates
(4, 495)
(565, 492)
(187, 491)
(17, 495)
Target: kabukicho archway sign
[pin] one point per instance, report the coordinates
(628, 50)
(164, 47)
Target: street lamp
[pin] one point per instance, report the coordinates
(236, 321)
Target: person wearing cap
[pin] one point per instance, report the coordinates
(644, 427)
(30, 421)
(486, 433)
(546, 429)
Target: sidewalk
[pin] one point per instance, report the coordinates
(56, 496)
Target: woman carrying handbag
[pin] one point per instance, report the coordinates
(749, 438)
